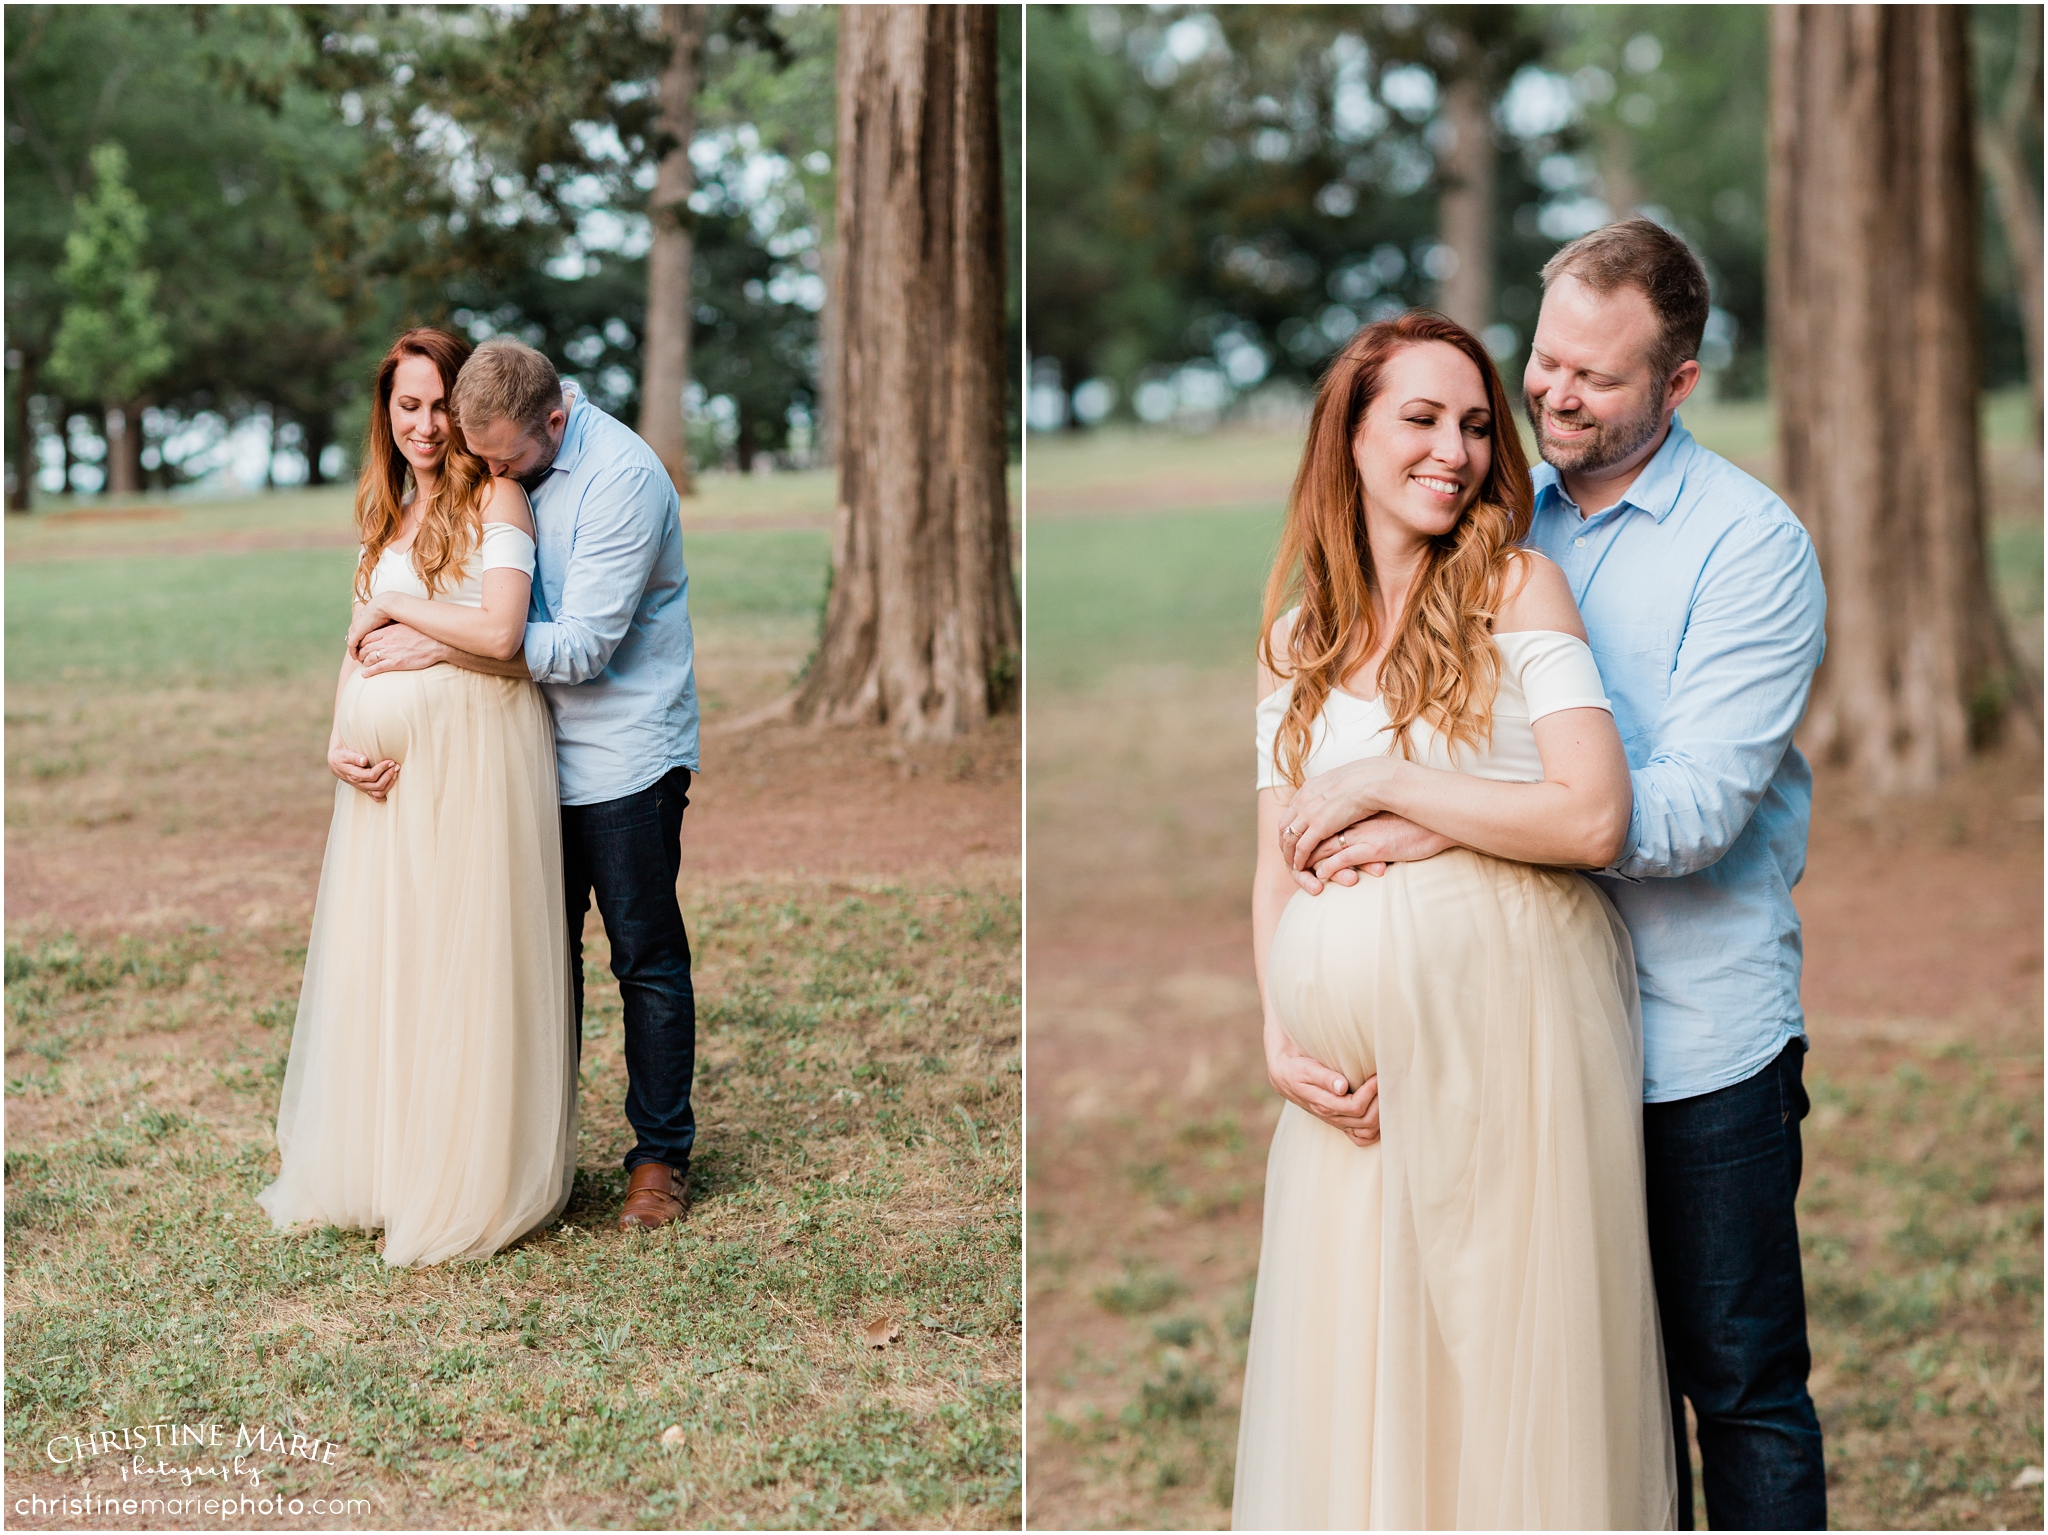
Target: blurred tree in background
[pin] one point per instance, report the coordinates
(1220, 195)
(315, 178)
(110, 341)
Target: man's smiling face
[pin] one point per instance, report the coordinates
(1589, 389)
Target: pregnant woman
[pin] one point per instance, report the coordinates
(1454, 1323)
(431, 1089)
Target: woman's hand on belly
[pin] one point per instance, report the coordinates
(358, 772)
(1308, 1084)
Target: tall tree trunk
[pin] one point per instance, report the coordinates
(1465, 206)
(1873, 320)
(825, 430)
(124, 449)
(2003, 142)
(318, 436)
(1620, 189)
(921, 629)
(21, 436)
(666, 371)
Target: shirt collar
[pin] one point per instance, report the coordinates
(1655, 490)
(570, 454)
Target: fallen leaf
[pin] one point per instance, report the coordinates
(469, 1444)
(672, 1437)
(882, 1331)
(2033, 1476)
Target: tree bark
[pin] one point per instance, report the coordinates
(21, 432)
(666, 371)
(124, 449)
(317, 431)
(1619, 187)
(1874, 334)
(825, 431)
(2002, 143)
(1465, 205)
(921, 629)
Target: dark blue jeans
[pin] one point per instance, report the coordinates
(1723, 1171)
(629, 851)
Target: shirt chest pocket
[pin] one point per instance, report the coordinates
(1635, 661)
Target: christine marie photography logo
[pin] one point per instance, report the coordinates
(175, 1469)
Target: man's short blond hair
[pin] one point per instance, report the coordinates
(506, 380)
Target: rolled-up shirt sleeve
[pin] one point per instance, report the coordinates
(1739, 687)
(619, 532)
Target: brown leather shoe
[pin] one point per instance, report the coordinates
(655, 1195)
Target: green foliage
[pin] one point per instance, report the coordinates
(111, 340)
(1206, 180)
(1673, 102)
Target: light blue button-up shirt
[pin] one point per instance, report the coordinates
(608, 633)
(1703, 605)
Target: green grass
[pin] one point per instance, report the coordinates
(858, 1093)
(1173, 588)
(1921, 1238)
(218, 618)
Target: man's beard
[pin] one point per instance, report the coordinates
(1602, 448)
(530, 481)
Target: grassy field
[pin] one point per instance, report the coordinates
(858, 1099)
(1149, 1117)
(86, 604)
(1154, 548)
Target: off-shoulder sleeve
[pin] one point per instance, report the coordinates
(507, 548)
(1272, 709)
(1556, 671)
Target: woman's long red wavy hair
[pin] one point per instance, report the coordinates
(1440, 666)
(452, 525)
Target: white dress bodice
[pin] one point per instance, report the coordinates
(1541, 672)
(503, 547)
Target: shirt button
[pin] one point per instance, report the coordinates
(1578, 543)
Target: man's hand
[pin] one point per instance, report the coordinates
(400, 648)
(1309, 1084)
(1367, 846)
(358, 772)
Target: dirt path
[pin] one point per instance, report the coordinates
(145, 811)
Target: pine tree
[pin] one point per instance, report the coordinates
(111, 342)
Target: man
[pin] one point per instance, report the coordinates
(608, 639)
(1702, 601)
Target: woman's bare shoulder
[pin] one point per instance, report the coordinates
(1538, 597)
(1283, 626)
(505, 502)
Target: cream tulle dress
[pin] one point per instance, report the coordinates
(1456, 1328)
(431, 1091)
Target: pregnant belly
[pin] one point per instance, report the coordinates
(382, 716)
(1354, 970)
(1442, 963)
